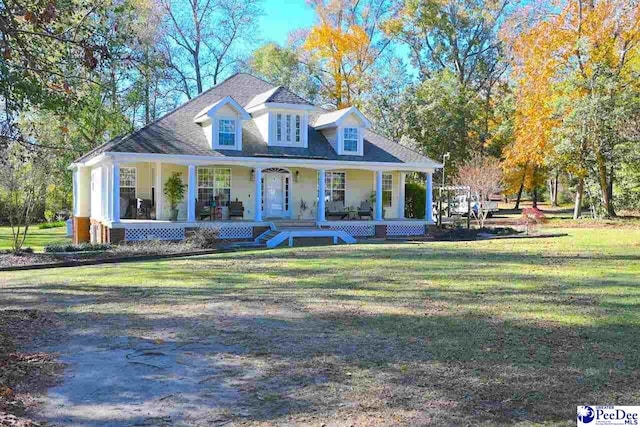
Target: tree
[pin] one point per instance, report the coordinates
(483, 176)
(204, 39)
(575, 65)
(281, 66)
(342, 47)
(23, 185)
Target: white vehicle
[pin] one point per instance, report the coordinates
(460, 205)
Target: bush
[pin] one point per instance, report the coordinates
(414, 200)
(55, 224)
(27, 250)
(205, 238)
(82, 247)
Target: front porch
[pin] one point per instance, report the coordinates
(242, 202)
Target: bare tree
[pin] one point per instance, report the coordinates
(483, 176)
(204, 38)
(23, 185)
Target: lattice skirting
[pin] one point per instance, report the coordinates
(234, 231)
(356, 230)
(405, 229)
(153, 233)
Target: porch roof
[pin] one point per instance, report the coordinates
(177, 134)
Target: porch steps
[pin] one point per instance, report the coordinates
(289, 234)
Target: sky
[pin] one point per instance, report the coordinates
(283, 16)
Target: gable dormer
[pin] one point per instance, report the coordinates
(282, 117)
(344, 129)
(222, 124)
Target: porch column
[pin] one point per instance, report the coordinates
(401, 197)
(378, 195)
(115, 195)
(191, 195)
(159, 191)
(258, 195)
(321, 191)
(429, 199)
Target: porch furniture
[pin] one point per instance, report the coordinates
(236, 209)
(143, 208)
(203, 210)
(365, 210)
(336, 209)
(127, 208)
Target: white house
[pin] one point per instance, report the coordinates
(254, 158)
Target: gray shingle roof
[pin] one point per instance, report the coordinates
(176, 132)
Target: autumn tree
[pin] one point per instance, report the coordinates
(341, 49)
(483, 176)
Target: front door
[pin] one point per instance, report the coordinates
(274, 195)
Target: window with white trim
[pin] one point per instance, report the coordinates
(335, 184)
(350, 140)
(214, 183)
(127, 183)
(288, 128)
(387, 190)
(227, 132)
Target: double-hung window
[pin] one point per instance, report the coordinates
(288, 129)
(335, 186)
(214, 183)
(387, 190)
(350, 140)
(226, 132)
(128, 183)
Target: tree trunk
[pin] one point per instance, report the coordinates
(553, 190)
(604, 185)
(577, 209)
(535, 197)
(611, 210)
(519, 196)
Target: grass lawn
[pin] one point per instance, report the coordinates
(493, 332)
(36, 238)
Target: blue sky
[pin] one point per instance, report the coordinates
(282, 16)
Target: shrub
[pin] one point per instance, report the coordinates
(531, 218)
(205, 238)
(414, 200)
(27, 250)
(55, 224)
(82, 247)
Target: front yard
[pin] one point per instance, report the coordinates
(492, 332)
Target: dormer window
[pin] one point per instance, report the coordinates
(288, 128)
(227, 132)
(350, 140)
(222, 124)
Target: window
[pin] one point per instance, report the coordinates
(350, 140)
(227, 132)
(387, 190)
(279, 127)
(127, 183)
(335, 186)
(214, 183)
(288, 128)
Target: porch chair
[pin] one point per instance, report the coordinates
(203, 210)
(365, 210)
(236, 209)
(336, 209)
(143, 208)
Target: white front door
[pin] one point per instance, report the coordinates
(274, 195)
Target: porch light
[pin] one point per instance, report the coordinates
(252, 175)
(296, 176)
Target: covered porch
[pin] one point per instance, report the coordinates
(244, 201)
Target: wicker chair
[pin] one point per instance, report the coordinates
(236, 209)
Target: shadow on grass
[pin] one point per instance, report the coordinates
(442, 339)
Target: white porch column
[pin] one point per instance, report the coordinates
(429, 199)
(115, 195)
(159, 191)
(191, 195)
(378, 196)
(258, 195)
(321, 191)
(401, 197)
